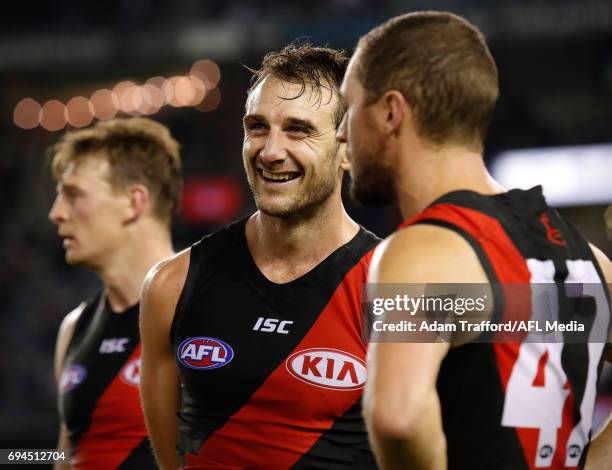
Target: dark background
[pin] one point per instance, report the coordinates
(555, 63)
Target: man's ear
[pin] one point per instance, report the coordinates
(344, 161)
(138, 197)
(396, 109)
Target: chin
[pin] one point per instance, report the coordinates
(372, 193)
(72, 260)
(277, 210)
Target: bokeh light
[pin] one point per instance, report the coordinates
(53, 115)
(210, 102)
(79, 112)
(168, 90)
(184, 91)
(213, 199)
(197, 89)
(153, 97)
(27, 113)
(105, 104)
(207, 71)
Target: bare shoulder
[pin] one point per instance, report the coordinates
(604, 262)
(426, 253)
(161, 290)
(167, 277)
(66, 330)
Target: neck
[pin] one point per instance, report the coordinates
(286, 248)
(430, 172)
(124, 272)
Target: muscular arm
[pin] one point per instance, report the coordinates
(159, 382)
(401, 404)
(600, 450)
(63, 340)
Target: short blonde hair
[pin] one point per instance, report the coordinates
(138, 150)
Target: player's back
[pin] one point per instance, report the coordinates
(525, 403)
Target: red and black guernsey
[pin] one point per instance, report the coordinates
(520, 405)
(99, 397)
(272, 374)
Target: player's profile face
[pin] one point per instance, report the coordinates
(290, 153)
(366, 149)
(88, 213)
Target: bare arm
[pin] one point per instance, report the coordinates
(159, 382)
(401, 404)
(600, 450)
(63, 340)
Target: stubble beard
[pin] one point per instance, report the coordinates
(306, 201)
(372, 181)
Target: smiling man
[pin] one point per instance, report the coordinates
(118, 185)
(253, 337)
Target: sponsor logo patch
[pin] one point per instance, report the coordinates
(328, 368)
(113, 345)
(130, 374)
(202, 352)
(72, 376)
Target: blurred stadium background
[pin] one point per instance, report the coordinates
(65, 63)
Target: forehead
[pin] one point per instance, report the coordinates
(275, 99)
(91, 169)
(352, 88)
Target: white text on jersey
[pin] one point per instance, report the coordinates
(272, 325)
(113, 345)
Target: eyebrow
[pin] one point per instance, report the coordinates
(253, 118)
(292, 121)
(305, 123)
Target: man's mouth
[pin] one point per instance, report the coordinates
(278, 177)
(67, 240)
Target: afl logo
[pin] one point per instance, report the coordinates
(328, 368)
(130, 374)
(72, 376)
(202, 352)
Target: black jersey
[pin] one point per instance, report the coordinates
(272, 374)
(520, 405)
(99, 391)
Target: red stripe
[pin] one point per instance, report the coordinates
(117, 426)
(286, 416)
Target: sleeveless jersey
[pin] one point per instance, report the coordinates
(520, 405)
(272, 374)
(99, 397)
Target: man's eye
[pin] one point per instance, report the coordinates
(296, 129)
(255, 126)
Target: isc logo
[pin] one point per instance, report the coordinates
(328, 368)
(113, 345)
(271, 325)
(202, 352)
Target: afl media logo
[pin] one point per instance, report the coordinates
(202, 352)
(72, 376)
(328, 368)
(130, 374)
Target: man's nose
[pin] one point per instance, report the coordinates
(57, 213)
(275, 148)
